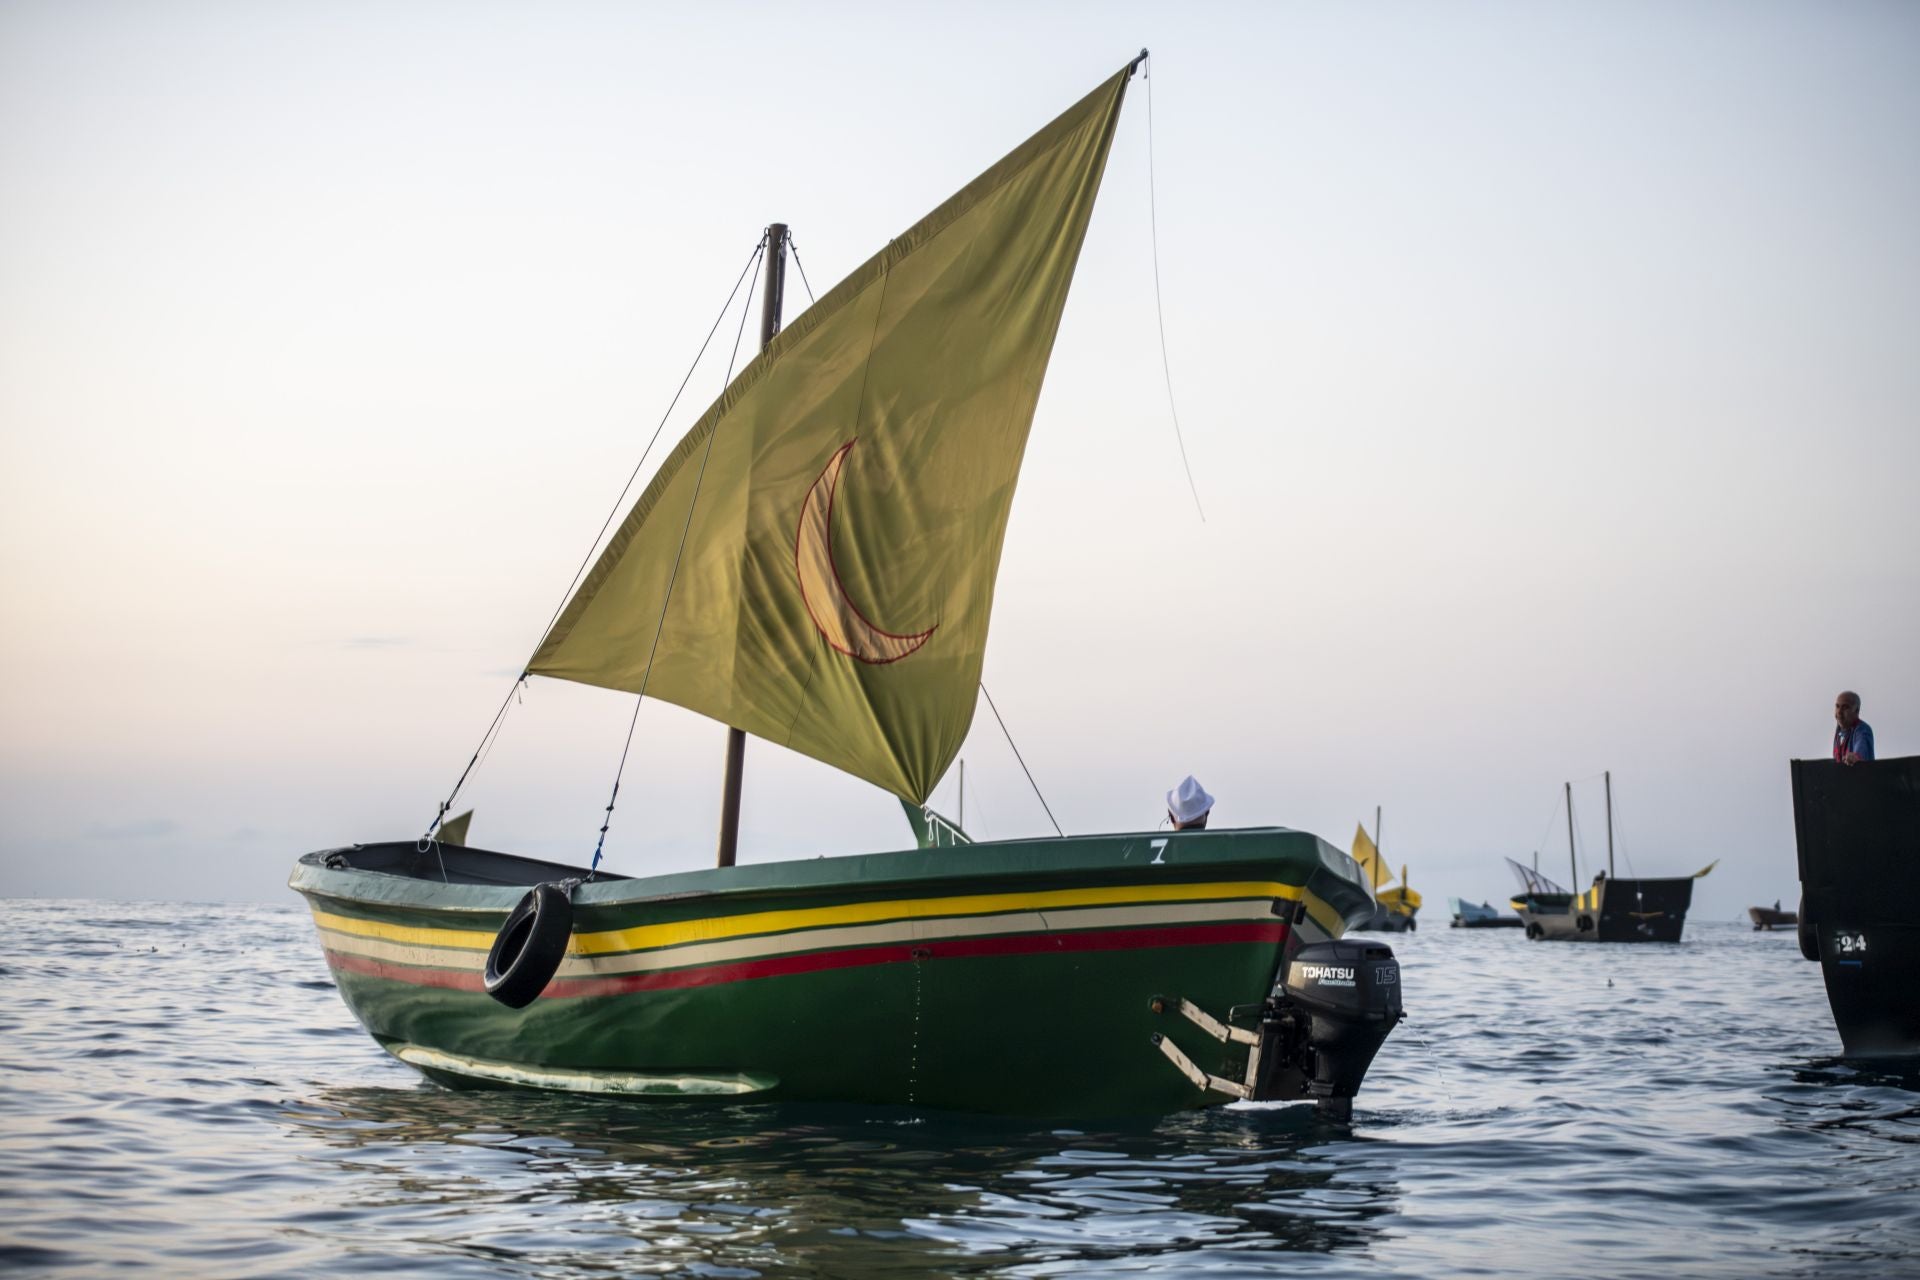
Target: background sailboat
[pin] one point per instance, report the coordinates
(814, 564)
(1396, 904)
(1479, 915)
(1612, 908)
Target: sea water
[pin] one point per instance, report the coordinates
(183, 1093)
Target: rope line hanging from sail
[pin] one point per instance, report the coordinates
(1577, 841)
(461, 781)
(1620, 840)
(1023, 764)
(740, 332)
(983, 826)
(493, 727)
(795, 251)
(1159, 310)
(673, 574)
(753, 263)
(1546, 830)
(487, 744)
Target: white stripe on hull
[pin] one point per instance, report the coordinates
(894, 932)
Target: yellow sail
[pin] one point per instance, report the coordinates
(1368, 857)
(845, 501)
(1400, 898)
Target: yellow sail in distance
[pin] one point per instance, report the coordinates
(1368, 857)
(845, 500)
(1401, 897)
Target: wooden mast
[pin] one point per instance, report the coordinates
(770, 307)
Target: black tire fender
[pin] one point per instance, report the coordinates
(1809, 937)
(1585, 923)
(1534, 930)
(1412, 925)
(527, 951)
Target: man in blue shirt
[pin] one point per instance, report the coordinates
(1852, 736)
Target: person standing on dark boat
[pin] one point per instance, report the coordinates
(1852, 736)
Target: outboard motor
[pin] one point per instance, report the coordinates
(1329, 1015)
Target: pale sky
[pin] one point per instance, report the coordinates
(1547, 372)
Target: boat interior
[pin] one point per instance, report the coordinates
(449, 863)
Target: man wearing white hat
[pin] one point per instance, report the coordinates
(1188, 805)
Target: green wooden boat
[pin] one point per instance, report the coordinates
(1011, 977)
(835, 599)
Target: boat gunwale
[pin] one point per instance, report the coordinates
(1323, 871)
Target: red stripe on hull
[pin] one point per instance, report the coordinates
(816, 961)
(419, 976)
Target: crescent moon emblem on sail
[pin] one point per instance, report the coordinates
(837, 617)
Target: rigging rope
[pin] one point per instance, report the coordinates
(1620, 841)
(493, 728)
(446, 804)
(983, 826)
(673, 574)
(487, 745)
(1546, 831)
(753, 262)
(1023, 764)
(1166, 366)
(795, 251)
(1576, 841)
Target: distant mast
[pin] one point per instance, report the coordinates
(1376, 833)
(1573, 859)
(1609, 779)
(770, 306)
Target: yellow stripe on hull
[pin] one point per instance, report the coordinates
(717, 928)
(891, 932)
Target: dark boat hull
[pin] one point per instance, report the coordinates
(1857, 831)
(1628, 909)
(1386, 920)
(1771, 918)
